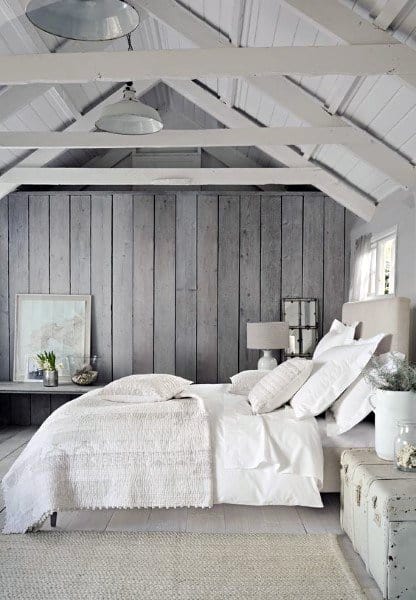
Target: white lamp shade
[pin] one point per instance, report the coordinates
(129, 117)
(267, 336)
(85, 20)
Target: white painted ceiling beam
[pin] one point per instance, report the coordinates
(345, 25)
(185, 138)
(212, 62)
(356, 201)
(225, 176)
(165, 176)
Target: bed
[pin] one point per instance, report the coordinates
(92, 453)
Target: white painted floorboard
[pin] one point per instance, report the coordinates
(222, 518)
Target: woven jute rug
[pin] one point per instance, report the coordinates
(177, 566)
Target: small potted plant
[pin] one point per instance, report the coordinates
(47, 361)
(394, 380)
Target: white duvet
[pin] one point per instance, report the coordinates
(261, 459)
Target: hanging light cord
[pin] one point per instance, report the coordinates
(130, 48)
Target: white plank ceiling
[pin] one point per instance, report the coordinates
(382, 105)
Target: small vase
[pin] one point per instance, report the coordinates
(50, 378)
(405, 447)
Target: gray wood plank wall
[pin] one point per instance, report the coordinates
(174, 277)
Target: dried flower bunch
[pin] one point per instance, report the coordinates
(47, 360)
(397, 376)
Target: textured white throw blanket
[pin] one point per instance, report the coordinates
(92, 453)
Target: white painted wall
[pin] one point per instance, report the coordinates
(397, 209)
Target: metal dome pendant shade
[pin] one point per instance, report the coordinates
(84, 20)
(129, 116)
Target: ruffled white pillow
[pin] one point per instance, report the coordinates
(242, 383)
(278, 387)
(338, 335)
(332, 373)
(154, 387)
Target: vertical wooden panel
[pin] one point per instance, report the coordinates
(39, 281)
(60, 281)
(60, 260)
(164, 311)
(122, 285)
(207, 289)
(186, 284)
(101, 278)
(228, 285)
(333, 262)
(292, 217)
(18, 284)
(80, 244)
(4, 307)
(249, 275)
(143, 281)
(39, 244)
(313, 250)
(271, 257)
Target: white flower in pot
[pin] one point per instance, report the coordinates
(394, 380)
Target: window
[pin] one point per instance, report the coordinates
(383, 263)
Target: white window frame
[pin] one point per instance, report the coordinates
(376, 281)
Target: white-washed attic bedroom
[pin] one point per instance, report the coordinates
(207, 299)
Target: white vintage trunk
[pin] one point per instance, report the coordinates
(378, 513)
(391, 408)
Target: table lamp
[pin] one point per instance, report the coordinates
(267, 337)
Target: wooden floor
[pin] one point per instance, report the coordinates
(223, 518)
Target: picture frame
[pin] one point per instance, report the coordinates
(61, 323)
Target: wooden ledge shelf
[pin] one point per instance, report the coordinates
(69, 389)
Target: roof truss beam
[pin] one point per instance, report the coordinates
(212, 62)
(185, 138)
(165, 176)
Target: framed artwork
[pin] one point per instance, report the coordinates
(61, 323)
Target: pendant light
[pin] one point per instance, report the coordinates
(84, 20)
(129, 116)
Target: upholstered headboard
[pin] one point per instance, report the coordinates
(389, 315)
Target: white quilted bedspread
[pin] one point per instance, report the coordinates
(92, 453)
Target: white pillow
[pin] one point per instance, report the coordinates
(332, 373)
(354, 404)
(144, 388)
(276, 388)
(243, 382)
(338, 335)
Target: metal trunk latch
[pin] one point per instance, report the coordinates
(358, 495)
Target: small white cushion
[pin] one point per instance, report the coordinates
(154, 387)
(278, 387)
(354, 404)
(332, 373)
(338, 335)
(242, 383)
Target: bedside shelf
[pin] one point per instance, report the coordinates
(69, 389)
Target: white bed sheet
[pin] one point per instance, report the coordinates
(270, 459)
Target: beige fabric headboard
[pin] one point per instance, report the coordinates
(389, 315)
